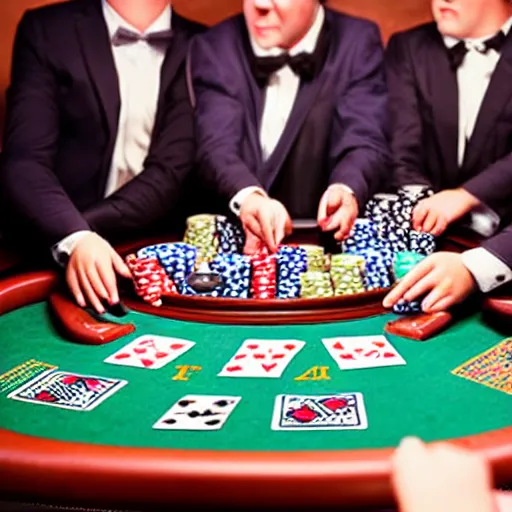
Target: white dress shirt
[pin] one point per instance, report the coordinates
(138, 67)
(280, 95)
(473, 77)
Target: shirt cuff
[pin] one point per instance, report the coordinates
(62, 250)
(346, 187)
(238, 199)
(488, 270)
(484, 221)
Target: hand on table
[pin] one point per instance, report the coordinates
(91, 272)
(443, 274)
(337, 211)
(434, 214)
(440, 478)
(266, 222)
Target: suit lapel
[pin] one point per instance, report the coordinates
(445, 104)
(496, 97)
(95, 42)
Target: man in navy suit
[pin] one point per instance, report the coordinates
(99, 132)
(451, 105)
(291, 116)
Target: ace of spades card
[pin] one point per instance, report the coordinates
(344, 411)
(150, 351)
(198, 412)
(359, 352)
(262, 358)
(67, 390)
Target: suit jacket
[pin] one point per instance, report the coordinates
(62, 120)
(336, 131)
(501, 245)
(424, 103)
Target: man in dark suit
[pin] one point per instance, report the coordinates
(451, 113)
(99, 132)
(291, 116)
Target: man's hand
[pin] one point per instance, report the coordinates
(337, 211)
(91, 272)
(441, 477)
(265, 221)
(443, 274)
(434, 214)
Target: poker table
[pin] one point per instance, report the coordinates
(112, 457)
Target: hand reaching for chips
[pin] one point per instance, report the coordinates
(434, 214)
(338, 210)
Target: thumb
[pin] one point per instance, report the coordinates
(120, 266)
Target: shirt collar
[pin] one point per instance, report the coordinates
(115, 21)
(306, 44)
(450, 42)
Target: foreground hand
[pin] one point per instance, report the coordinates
(91, 272)
(337, 211)
(434, 214)
(443, 275)
(440, 478)
(266, 220)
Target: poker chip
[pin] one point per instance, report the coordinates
(150, 279)
(364, 236)
(314, 285)
(264, 279)
(404, 307)
(201, 234)
(315, 257)
(404, 262)
(291, 263)
(347, 274)
(235, 270)
(230, 235)
(422, 243)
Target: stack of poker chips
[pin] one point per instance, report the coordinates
(364, 236)
(231, 237)
(201, 233)
(347, 274)
(404, 263)
(150, 279)
(315, 257)
(315, 285)
(178, 259)
(22, 373)
(422, 243)
(264, 278)
(235, 270)
(377, 270)
(291, 263)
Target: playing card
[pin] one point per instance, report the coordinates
(262, 358)
(198, 412)
(362, 352)
(150, 352)
(320, 412)
(67, 390)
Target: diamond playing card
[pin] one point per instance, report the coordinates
(198, 412)
(493, 368)
(362, 352)
(262, 358)
(67, 390)
(150, 351)
(344, 411)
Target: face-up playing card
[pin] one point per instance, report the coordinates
(362, 352)
(150, 352)
(262, 358)
(198, 412)
(67, 390)
(320, 412)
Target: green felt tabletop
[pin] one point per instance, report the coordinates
(420, 398)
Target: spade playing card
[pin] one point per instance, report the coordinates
(150, 351)
(362, 352)
(262, 358)
(320, 412)
(198, 412)
(67, 390)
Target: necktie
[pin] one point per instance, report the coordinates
(458, 52)
(124, 37)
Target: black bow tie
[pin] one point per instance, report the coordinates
(458, 52)
(124, 36)
(303, 65)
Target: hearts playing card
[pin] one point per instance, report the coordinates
(320, 412)
(198, 412)
(262, 358)
(67, 390)
(150, 351)
(362, 352)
